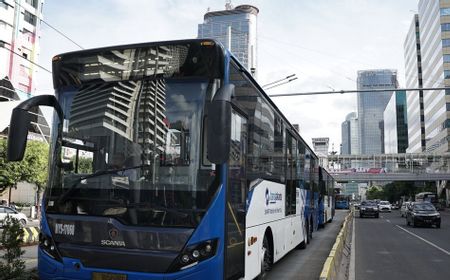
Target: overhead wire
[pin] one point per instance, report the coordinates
(54, 28)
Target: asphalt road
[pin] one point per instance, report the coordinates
(307, 264)
(388, 249)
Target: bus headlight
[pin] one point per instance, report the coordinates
(194, 254)
(47, 245)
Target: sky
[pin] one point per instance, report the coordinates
(323, 42)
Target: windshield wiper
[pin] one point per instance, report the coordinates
(69, 191)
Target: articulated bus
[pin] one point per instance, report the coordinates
(168, 161)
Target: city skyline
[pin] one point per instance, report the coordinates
(293, 46)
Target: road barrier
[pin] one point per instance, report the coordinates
(332, 263)
(30, 235)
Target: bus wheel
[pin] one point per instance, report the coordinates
(266, 262)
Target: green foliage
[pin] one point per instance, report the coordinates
(374, 193)
(84, 164)
(11, 266)
(32, 169)
(395, 191)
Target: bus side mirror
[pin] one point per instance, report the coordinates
(18, 132)
(219, 125)
(20, 123)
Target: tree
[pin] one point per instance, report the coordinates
(84, 164)
(11, 266)
(374, 193)
(32, 169)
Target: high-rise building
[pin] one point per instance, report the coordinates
(320, 145)
(345, 138)
(371, 107)
(236, 29)
(19, 43)
(19, 53)
(414, 99)
(349, 134)
(395, 124)
(434, 31)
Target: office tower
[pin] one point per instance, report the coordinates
(19, 43)
(19, 52)
(414, 99)
(320, 145)
(371, 105)
(349, 134)
(434, 26)
(236, 29)
(395, 124)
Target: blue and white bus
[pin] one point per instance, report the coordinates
(167, 161)
(342, 201)
(326, 197)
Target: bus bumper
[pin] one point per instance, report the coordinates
(52, 269)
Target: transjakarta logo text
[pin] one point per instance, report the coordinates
(272, 197)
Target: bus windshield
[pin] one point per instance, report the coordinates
(131, 143)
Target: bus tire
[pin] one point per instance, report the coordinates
(266, 262)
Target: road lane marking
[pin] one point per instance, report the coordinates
(426, 241)
(388, 221)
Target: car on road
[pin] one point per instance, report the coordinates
(369, 208)
(404, 208)
(385, 205)
(7, 211)
(423, 213)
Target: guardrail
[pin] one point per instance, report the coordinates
(332, 263)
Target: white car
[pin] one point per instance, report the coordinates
(385, 206)
(7, 211)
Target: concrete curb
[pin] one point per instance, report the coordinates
(331, 265)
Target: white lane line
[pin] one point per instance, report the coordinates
(388, 221)
(351, 272)
(426, 241)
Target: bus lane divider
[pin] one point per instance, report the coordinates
(333, 262)
(30, 235)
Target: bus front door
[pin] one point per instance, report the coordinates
(236, 199)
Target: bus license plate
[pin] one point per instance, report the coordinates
(108, 276)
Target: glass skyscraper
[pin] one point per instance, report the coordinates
(349, 133)
(236, 30)
(371, 107)
(395, 124)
